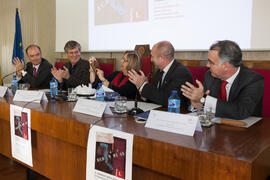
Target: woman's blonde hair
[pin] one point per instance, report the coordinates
(134, 60)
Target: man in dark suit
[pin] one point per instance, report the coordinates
(229, 88)
(76, 71)
(37, 72)
(169, 76)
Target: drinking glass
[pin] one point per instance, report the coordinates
(205, 115)
(120, 104)
(72, 95)
(24, 86)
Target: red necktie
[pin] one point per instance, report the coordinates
(222, 93)
(35, 72)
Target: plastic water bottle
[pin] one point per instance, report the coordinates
(100, 93)
(53, 88)
(174, 102)
(14, 84)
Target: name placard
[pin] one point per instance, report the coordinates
(29, 96)
(90, 107)
(3, 90)
(172, 122)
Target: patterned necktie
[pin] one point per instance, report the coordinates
(35, 72)
(160, 79)
(222, 93)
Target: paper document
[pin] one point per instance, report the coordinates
(143, 105)
(109, 154)
(20, 131)
(246, 122)
(46, 91)
(172, 122)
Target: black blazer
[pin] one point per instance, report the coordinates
(177, 75)
(81, 75)
(43, 78)
(245, 98)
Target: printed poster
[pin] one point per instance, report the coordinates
(109, 154)
(20, 131)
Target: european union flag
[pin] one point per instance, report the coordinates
(18, 46)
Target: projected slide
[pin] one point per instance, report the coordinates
(120, 11)
(116, 25)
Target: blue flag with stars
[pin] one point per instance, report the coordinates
(18, 46)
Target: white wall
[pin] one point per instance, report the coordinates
(38, 19)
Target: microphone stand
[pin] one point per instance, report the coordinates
(135, 110)
(2, 79)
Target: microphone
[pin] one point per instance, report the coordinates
(2, 79)
(137, 110)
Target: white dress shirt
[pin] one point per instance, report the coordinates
(211, 102)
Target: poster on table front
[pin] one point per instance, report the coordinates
(109, 154)
(20, 132)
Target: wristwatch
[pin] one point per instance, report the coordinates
(203, 99)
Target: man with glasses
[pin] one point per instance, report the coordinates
(169, 76)
(230, 89)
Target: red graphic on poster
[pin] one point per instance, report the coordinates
(21, 125)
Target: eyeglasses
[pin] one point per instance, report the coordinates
(123, 59)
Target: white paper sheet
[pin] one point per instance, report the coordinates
(20, 130)
(172, 122)
(29, 96)
(90, 107)
(143, 105)
(46, 91)
(109, 154)
(3, 91)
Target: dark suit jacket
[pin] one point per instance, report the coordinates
(43, 78)
(81, 75)
(245, 98)
(177, 75)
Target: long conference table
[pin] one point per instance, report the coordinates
(59, 141)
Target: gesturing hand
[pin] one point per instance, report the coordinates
(57, 74)
(191, 92)
(65, 73)
(18, 63)
(136, 78)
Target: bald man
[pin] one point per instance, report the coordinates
(37, 72)
(169, 76)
